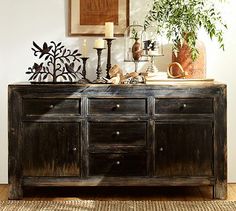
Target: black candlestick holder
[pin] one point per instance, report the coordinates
(99, 79)
(84, 80)
(109, 42)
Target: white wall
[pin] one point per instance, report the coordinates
(23, 21)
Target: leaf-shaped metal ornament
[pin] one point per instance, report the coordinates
(58, 45)
(70, 78)
(75, 51)
(45, 76)
(64, 77)
(46, 58)
(36, 46)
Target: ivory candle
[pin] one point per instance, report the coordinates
(109, 30)
(99, 43)
(84, 49)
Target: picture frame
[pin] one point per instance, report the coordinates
(88, 17)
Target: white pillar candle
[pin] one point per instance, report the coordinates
(99, 43)
(84, 49)
(109, 30)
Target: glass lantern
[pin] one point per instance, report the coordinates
(152, 46)
(133, 44)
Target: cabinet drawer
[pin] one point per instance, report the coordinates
(117, 106)
(43, 106)
(122, 164)
(130, 133)
(184, 106)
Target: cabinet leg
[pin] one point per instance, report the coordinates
(220, 191)
(15, 192)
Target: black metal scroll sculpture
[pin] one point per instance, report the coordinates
(60, 64)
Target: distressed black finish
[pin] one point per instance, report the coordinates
(126, 106)
(121, 133)
(35, 107)
(187, 144)
(51, 149)
(117, 135)
(184, 106)
(118, 164)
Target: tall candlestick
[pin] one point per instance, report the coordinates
(109, 30)
(84, 80)
(99, 43)
(84, 49)
(109, 42)
(99, 67)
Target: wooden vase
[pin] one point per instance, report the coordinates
(136, 50)
(193, 69)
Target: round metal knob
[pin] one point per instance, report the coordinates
(184, 105)
(117, 105)
(161, 149)
(118, 162)
(117, 133)
(74, 149)
(51, 106)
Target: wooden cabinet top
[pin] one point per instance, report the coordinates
(161, 84)
(180, 89)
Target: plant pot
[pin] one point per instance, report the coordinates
(193, 69)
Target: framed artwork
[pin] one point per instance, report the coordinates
(88, 17)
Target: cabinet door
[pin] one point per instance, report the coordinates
(51, 149)
(184, 149)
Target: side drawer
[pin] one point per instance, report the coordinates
(109, 106)
(120, 164)
(124, 133)
(48, 106)
(183, 106)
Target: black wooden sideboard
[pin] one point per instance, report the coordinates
(117, 135)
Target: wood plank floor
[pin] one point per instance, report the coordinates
(119, 193)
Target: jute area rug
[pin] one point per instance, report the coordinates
(83, 205)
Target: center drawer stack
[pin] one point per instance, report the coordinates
(117, 137)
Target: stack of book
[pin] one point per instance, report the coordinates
(152, 78)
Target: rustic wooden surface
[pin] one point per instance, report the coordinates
(51, 149)
(110, 133)
(180, 136)
(190, 148)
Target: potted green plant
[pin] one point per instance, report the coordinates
(180, 20)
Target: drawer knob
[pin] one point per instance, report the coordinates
(117, 105)
(161, 149)
(117, 133)
(51, 106)
(74, 149)
(184, 105)
(118, 162)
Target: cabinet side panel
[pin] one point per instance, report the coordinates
(220, 107)
(14, 144)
